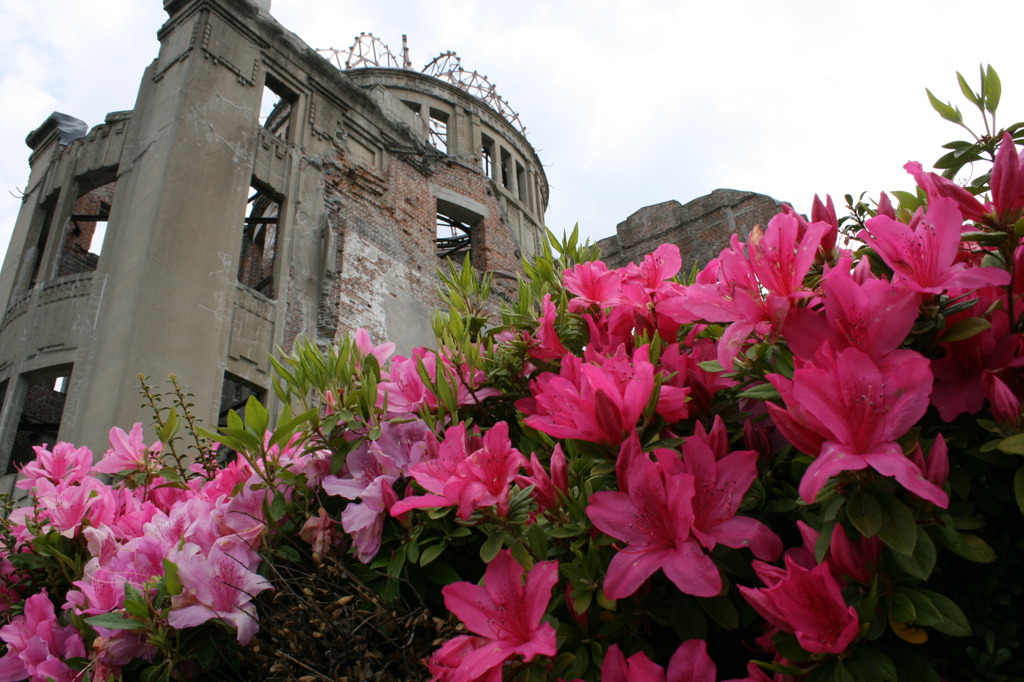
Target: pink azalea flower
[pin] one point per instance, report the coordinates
(545, 344)
(362, 341)
(752, 288)
(65, 463)
(938, 187)
(594, 284)
(807, 603)
(468, 473)
(219, 585)
(874, 316)
(599, 401)
(1007, 183)
(371, 470)
(923, 253)
(858, 407)
(689, 663)
(655, 518)
(506, 613)
(319, 532)
(719, 487)
(37, 644)
(128, 451)
(973, 369)
(546, 488)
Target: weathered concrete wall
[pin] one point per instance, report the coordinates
(701, 228)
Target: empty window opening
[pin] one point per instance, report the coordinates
(86, 231)
(453, 236)
(414, 106)
(438, 125)
(234, 394)
(521, 181)
(487, 155)
(259, 242)
(506, 173)
(40, 248)
(276, 107)
(39, 421)
(455, 226)
(60, 384)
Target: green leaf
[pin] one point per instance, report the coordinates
(761, 392)
(871, 665)
(972, 548)
(921, 562)
(170, 426)
(993, 90)
(432, 552)
(1018, 488)
(722, 611)
(899, 530)
(171, 579)
(965, 329)
(491, 547)
(115, 621)
(946, 111)
(1014, 445)
(952, 620)
(288, 553)
(278, 507)
(865, 512)
(966, 89)
(903, 609)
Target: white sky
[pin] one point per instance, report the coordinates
(626, 106)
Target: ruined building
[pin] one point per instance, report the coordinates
(261, 191)
(256, 193)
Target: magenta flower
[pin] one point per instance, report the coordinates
(469, 473)
(506, 614)
(922, 254)
(594, 285)
(807, 603)
(690, 663)
(858, 407)
(719, 487)
(599, 401)
(655, 518)
(874, 316)
(545, 344)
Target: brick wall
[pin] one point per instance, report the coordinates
(701, 228)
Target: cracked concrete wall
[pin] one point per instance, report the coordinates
(358, 186)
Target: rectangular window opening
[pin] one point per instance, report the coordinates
(454, 237)
(438, 125)
(506, 173)
(235, 393)
(86, 230)
(40, 249)
(521, 181)
(276, 107)
(257, 257)
(487, 155)
(39, 422)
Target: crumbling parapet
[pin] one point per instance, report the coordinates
(701, 228)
